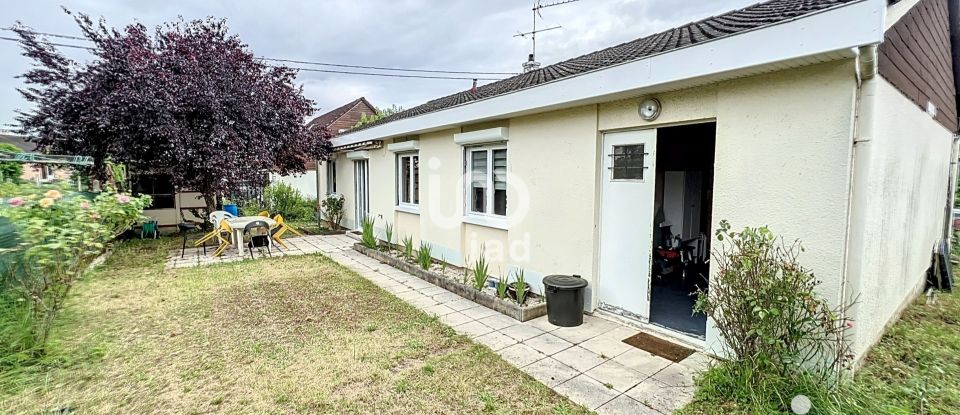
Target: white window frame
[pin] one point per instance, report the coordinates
(487, 218)
(402, 206)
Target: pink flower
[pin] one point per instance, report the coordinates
(16, 201)
(85, 205)
(122, 198)
(849, 324)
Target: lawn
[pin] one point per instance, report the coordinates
(282, 335)
(915, 369)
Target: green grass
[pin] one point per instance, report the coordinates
(915, 369)
(282, 335)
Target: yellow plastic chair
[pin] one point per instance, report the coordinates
(264, 214)
(280, 228)
(225, 243)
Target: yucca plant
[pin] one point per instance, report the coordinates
(424, 257)
(502, 287)
(480, 270)
(408, 247)
(521, 286)
(388, 232)
(367, 238)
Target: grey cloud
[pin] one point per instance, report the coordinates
(452, 35)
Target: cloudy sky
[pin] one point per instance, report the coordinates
(456, 35)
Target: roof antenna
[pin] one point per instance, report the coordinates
(531, 63)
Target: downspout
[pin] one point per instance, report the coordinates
(953, 13)
(863, 130)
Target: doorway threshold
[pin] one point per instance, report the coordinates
(680, 338)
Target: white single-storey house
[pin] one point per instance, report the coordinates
(830, 121)
(336, 121)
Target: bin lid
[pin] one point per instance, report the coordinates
(567, 282)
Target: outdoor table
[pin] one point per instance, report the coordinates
(237, 224)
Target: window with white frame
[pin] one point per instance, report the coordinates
(487, 175)
(408, 180)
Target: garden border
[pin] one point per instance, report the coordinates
(510, 309)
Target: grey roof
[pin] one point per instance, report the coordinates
(17, 140)
(737, 21)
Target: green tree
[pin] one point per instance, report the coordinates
(10, 170)
(381, 113)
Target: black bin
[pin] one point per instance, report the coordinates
(564, 299)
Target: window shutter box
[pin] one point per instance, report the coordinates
(410, 145)
(358, 155)
(490, 135)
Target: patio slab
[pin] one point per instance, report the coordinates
(589, 364)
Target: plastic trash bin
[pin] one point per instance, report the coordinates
(232, 209)
(564, 299)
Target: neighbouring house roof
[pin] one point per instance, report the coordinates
(748, 18)
(17, 140)
(359, 105)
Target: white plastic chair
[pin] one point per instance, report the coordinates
(217, 216)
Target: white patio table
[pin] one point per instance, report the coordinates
(237, 224)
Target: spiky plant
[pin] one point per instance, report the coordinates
(521, 286)
(480, 270)
(408, 247)
(367, 237)
(424, 257)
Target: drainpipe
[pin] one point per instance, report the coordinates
(953, 11)
(864, 107)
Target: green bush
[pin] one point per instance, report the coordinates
(281, 198)
(332, 206)
(10, 170)
(782, 337)
(60, 232)
(367, 237)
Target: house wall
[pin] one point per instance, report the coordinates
(782, 156)
(782, 159)
(915, 57)
(305, 183)
(169, 218)
(901, 188)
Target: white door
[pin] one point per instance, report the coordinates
(361, 190)
(626, 222)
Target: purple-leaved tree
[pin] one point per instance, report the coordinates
(188, 99)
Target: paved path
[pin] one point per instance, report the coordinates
(589, 364)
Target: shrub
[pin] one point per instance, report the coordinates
(10, 170)
(367, 237)
(480, 269)
(521, 286)
(765, 304)
(408, 248)
(502, 285)
(424, 257)
(778, 330)
(332, 207)
(388, 233)
(60, 232)
(281, 198)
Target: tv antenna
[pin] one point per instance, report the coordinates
(537, 6)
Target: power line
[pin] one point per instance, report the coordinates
(51, 43)
(386, 68)
(386, 75)
(301, 62)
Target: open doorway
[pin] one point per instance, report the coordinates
(681, 226)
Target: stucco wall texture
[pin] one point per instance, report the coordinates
(901, 186)
(784, 158)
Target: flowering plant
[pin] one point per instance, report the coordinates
(59, 232)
